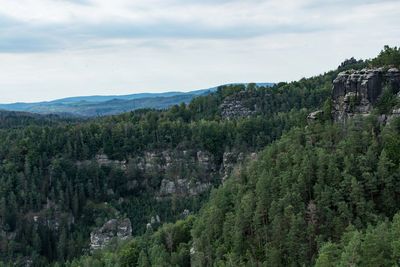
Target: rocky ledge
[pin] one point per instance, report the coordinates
(101, 237)
(231, 109)
(355, 92)
(182, 187)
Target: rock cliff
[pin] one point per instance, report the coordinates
(180, 172)
(119, 229)
(234, 109)
(355, 92)
(235, 106)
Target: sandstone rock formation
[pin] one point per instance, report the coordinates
(229, 161)
(155, 221)
(313, 116)
(182, 187)
(101, 237)
(205, 160)
(231, 109)
(355, 92)
(182, 172)
(103, 160)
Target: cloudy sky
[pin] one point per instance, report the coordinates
(57, 48)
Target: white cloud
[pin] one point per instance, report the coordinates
(56, 48)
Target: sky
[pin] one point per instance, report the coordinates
(51, 49)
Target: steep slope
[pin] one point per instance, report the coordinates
(304, 190)
(59, 183)
(325, 194)
(103, 179)
(320, 195)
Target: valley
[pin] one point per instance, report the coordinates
(304, 173)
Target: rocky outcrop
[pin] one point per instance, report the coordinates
(314, 116)
(387, 119)
(205, 160)
(168, 159)
(393, 76)
(395, 114)
(182, 187)
(229, 161)
(155, 221)
(182, 172)
(101, 237)
(231, 109)
(355, 92)
(51, 216)
(103, 160)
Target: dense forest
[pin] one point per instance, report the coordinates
(318, 193)
(41, 175)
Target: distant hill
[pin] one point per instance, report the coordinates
(16, 119)
(92, 106)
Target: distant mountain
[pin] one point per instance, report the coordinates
(91, 106)
(100, 98)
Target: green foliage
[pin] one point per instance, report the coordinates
(352, 63)
(353, 102)
(389, 56)
(305, 190)
(327, 110)
(168, 246)
(376, 246)
(49, 169)
(129, 255)
(288, 208)
(387, 101)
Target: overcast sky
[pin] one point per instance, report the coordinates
(56, 48)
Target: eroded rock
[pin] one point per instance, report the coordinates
(232, 108)
(101, 237)
(355, 92)
(103, 160)
(313, 116)
(229, 161)
(183, 187)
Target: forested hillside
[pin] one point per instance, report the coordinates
(61, 180)
(340, 180)
(323, 196)
(285, 191)
(12, 119)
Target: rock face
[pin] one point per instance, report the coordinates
(183, 173)
(180, 172)
(169, 159)
(235, 106)
(120, 229)
(231, 109)
(103, 160)
(154, 222)
(229, 161)
(205, 160)
(355, 92)
(386, 119)
(313, 116)
(182, 187)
